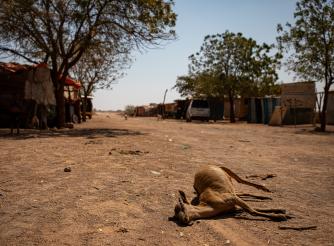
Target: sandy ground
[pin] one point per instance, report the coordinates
(125, 175)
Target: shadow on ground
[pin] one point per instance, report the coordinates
(316, 131)
(236, 215)
(89, 133)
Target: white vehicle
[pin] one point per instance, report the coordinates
(198, 110)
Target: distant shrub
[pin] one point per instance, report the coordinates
(130, 110)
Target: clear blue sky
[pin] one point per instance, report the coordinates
(156, 70)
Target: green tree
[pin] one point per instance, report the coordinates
(230, 65)
(199, 85)
(310, 43)
(59, 32)
(94, 70)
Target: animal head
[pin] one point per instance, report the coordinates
(180, 210)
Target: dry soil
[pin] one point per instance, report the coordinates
(125, 175)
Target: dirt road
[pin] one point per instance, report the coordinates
(125, 175)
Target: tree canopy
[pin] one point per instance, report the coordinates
(59, 32)
(310, 43)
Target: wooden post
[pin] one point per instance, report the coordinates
(163, 105)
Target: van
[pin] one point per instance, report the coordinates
(198, 110)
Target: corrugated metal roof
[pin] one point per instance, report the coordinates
(13, 67)
(75, 83)
(16, 67)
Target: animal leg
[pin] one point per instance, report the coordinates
(253, 196)
(183, 196)
(12, 124)
(242, 181)
(17, 121)
(213, 203)
(254, 212)
(269, 210)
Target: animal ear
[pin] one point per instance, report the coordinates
(181, 205)
(183, 197)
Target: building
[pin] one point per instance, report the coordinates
(30, 89)
(299, 99)
(72, 100)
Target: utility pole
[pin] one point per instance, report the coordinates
(163, 105)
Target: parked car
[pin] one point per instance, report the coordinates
(198, 110)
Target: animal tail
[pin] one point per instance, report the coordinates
(242, 181)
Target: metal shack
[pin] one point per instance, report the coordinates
(28, 86)
(330, 108)
(299, 99)
(240, 108)
(167, 110)
(72, 100)
(260, 109)
(216, 108)
(146, 110)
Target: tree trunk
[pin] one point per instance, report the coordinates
(60, 99)
(323, 113)
(84, 107)
(231, 100)
(59, 84)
